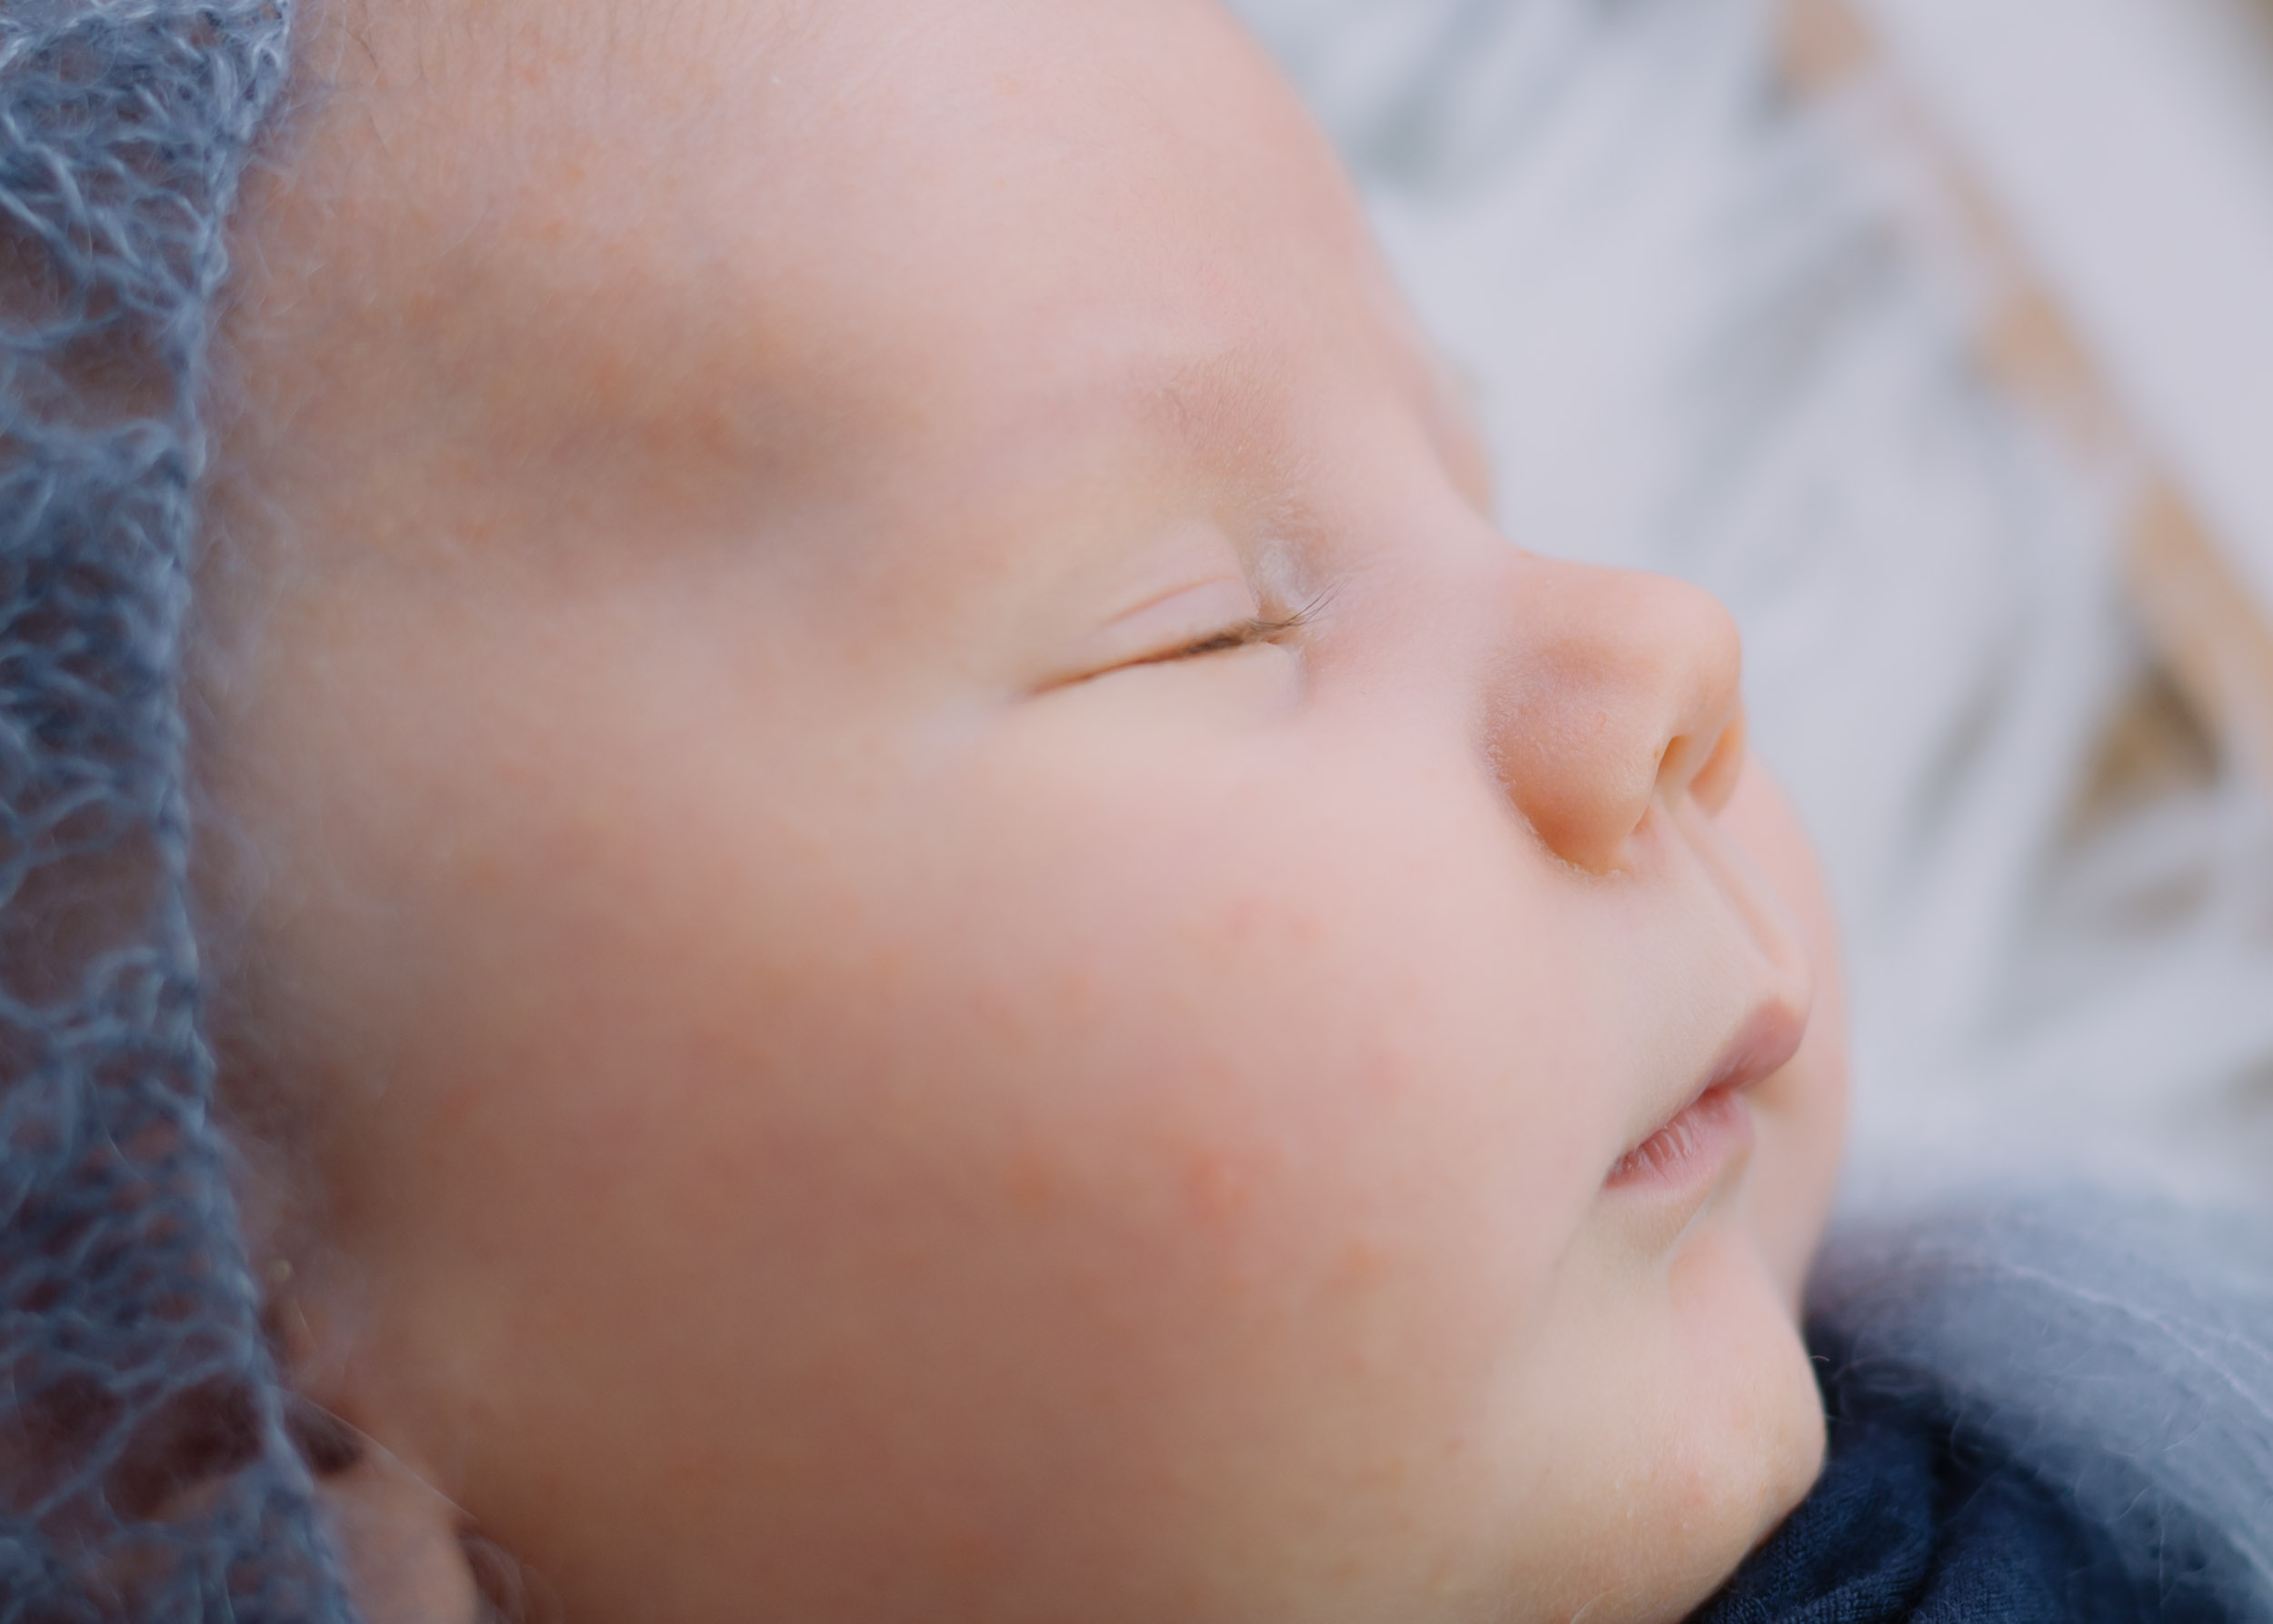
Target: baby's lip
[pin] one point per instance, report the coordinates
(1764, 1044)
(1770, 1036)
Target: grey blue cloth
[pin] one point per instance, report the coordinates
(2050, 1408)
(144, 1467)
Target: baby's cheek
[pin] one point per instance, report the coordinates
(1288, 1272)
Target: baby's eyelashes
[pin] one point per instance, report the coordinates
(1212, 617)
(1245, 634)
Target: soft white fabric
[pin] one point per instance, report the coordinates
(1707, 336)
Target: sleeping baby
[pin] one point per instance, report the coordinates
(902, 913)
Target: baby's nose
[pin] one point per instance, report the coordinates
(1614, 690)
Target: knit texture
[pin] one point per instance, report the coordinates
(145, 1472)
(1898, 1533)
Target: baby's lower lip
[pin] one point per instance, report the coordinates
(1691, 1152)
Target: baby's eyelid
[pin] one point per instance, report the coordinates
(1217, 616)
(1169, 625)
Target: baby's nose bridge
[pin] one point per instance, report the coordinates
(1606, 690)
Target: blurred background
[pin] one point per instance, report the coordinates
(1937, 337)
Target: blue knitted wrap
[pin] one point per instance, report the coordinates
(146, 1471)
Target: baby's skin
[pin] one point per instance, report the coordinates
(918, 921)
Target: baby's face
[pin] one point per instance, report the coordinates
(951, 939)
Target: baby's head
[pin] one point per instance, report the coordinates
(920, 922)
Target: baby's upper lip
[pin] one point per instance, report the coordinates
(1762, 1043)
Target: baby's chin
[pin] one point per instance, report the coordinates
(1761, 1446)
(1706, 1431)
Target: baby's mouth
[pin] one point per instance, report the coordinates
(1714, 1130)
(1706, 1135)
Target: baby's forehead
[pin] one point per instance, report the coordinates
(558, 237)
(693, 146)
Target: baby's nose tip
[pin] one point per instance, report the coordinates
(1627, 695)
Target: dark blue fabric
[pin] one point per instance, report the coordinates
(1893, 1532)
(1910, 1526)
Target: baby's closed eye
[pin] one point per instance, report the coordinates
(1244, 634)
(1218, 617)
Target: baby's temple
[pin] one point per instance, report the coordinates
(1114, 812)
